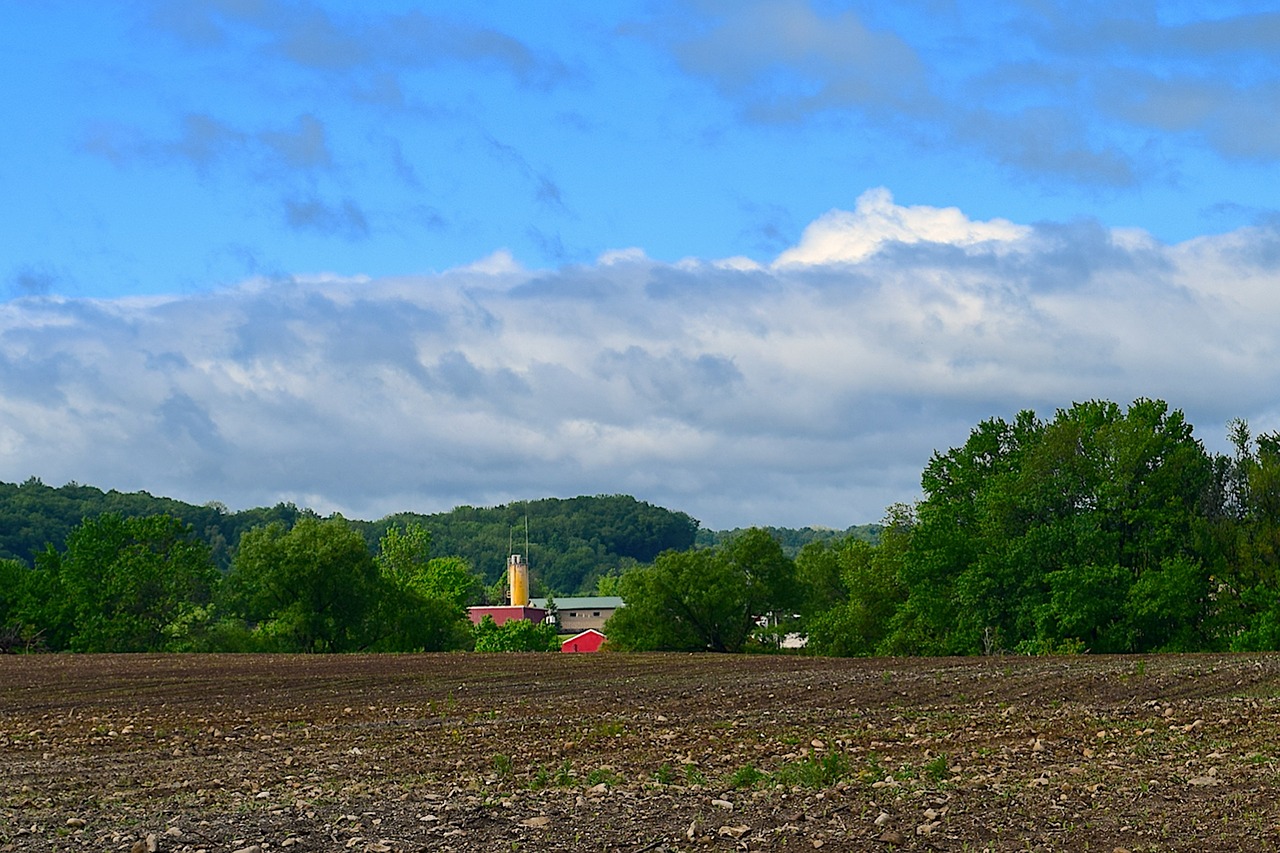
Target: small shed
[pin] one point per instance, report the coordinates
(589, 640)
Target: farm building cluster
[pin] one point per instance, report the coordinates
(578, 620)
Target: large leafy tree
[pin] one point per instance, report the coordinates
(704, 599)
(309, 588)
(950, 539)
(17, 630)
(855, 588)
(422, 600)
(1082, 530)
(121, 584)
(1248, 529)
(1128, 535)
(404, 560)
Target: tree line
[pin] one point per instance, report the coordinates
(573, 541)
(1103, 529)
(149, 583)
(139, 573)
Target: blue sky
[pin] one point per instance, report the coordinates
(754, 261)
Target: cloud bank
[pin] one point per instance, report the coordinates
(808, 391)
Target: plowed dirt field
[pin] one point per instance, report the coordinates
(638, 753)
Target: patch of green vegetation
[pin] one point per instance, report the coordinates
(503, 765)
(606, 730)
(747, 776)
(936, 770)
(539, 778)
(874, 770)
(664, 775)
(814, 771)
(443, 708)
(694, 776)
(603, 775)
(1049, 647)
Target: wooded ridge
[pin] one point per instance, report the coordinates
(572, 541)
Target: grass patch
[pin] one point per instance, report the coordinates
(748, 776)
(936, 770)
(814, 772)
(541, 778)
(602, 776)
(874, 770)
(608, 729)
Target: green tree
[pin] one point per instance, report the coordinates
(311, 588)
(403, 553)
(121, 584)
(451, 579)
(421, 601)
(1247, 527)
(17, 629)
(13, 582)
(608, 585)
(704, 599)
(1043, 534)
(515, 635)
(855, 608)
(1127, 542)
(665, 609)
(950, 538)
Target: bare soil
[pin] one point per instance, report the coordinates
(636, 753)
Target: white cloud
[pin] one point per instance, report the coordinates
(622, 256)
(809, 392)
(737, 262)
(500, 262)
(844, 237)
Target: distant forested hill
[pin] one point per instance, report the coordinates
(33, 515)
(571, 542)
(793, 540)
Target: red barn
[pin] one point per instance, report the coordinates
(589, 640)
(503, 614)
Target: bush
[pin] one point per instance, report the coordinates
(516, 635)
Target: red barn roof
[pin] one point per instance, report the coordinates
(589, 640)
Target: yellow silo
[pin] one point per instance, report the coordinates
(518, 581)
